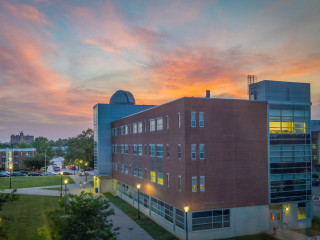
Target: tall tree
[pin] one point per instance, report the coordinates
(81, 218)
(80, 147)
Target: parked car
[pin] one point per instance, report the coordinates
(24, 172)
(6, 172)
(34, 174)
(4, 175)
(66, 173)
(56, 168)
(89, 169)
(50, 174)
(72, 167)
(315, 182)
(17, 174)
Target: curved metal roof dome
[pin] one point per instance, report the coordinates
(122, 97)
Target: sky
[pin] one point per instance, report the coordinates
(59, 58)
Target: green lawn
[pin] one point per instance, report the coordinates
(261, 236)
(157, 232)
(27, 214)
(26, 182)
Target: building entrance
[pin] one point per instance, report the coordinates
(275, 217)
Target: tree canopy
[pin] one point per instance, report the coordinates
(81, 148)
(81, 218)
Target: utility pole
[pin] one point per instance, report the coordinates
(45, 161)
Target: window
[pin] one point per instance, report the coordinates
(140, 173)
(179, 151)
(135, 171)
(122, 130)
(139, 127)
(140, 149)
(115, 148)
(153, 176)
(193, 119)
(211, 219)
(193, 151)
(126, 130)
(168, 150)
(122, 149)
(135, 149)
(152, 150)
(126, 149)
(159, 150)
(179, 183)
(168, 180)
(145, 149)
(160, 178)
(301, 210)
(114, 132)
(201, 119)
(201, 151)
(145, 126)
(202, 184)
(152, 125)
(167, 117)
(122, 167)
(179, 121)
(134, 128)
(115, 166)
(194, 184)
(159, 124)
(126, 169)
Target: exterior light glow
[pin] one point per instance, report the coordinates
(138, 186)
(287, 209)
(186, 209)
(66, 181)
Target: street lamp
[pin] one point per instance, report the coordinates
(65, 182)
(186, 210)
(85, 172)
(138, 186)
(61, 185)
(10, 176)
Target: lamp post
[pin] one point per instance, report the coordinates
(85, 172)
(61, 185)
(65, 182)
(138, 186)
(10, 176)
(186, 210)
(45, 161)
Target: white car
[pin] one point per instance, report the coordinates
(50, 174)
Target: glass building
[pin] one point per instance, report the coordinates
(290, 153)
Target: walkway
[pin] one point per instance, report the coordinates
(128, 228)
(292, 235)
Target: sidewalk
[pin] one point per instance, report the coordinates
(291, 235)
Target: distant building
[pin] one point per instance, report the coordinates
(315, 132)
(241, 166)
(21, 138)
(13, 157)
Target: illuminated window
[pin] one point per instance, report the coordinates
(160, 178)
(194, 184)
(201, 119)
(134, 128)
(152, 125)
(193, 119)
(193, 151)
(301, 210)
(287, 127)
(202, 183)
(139, 127)
(153, 176)
(159, 124)
(272, 217)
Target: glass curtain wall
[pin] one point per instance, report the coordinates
(290, 153)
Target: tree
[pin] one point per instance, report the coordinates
(80, 147)
(81, 218)
(44, 151)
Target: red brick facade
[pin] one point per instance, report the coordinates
(235, 163)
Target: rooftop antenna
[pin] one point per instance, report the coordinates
(251, 79)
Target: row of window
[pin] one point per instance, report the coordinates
(157, 124)
(156, 150)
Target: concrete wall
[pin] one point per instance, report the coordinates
(290, 217)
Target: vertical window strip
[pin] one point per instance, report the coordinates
(193, 119)
(194, 184)
(201, 119)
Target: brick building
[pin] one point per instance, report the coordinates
(241, 166)
(13, 157)
(21, 138)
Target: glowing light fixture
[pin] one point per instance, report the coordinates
(186, 209)
(138, 186)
